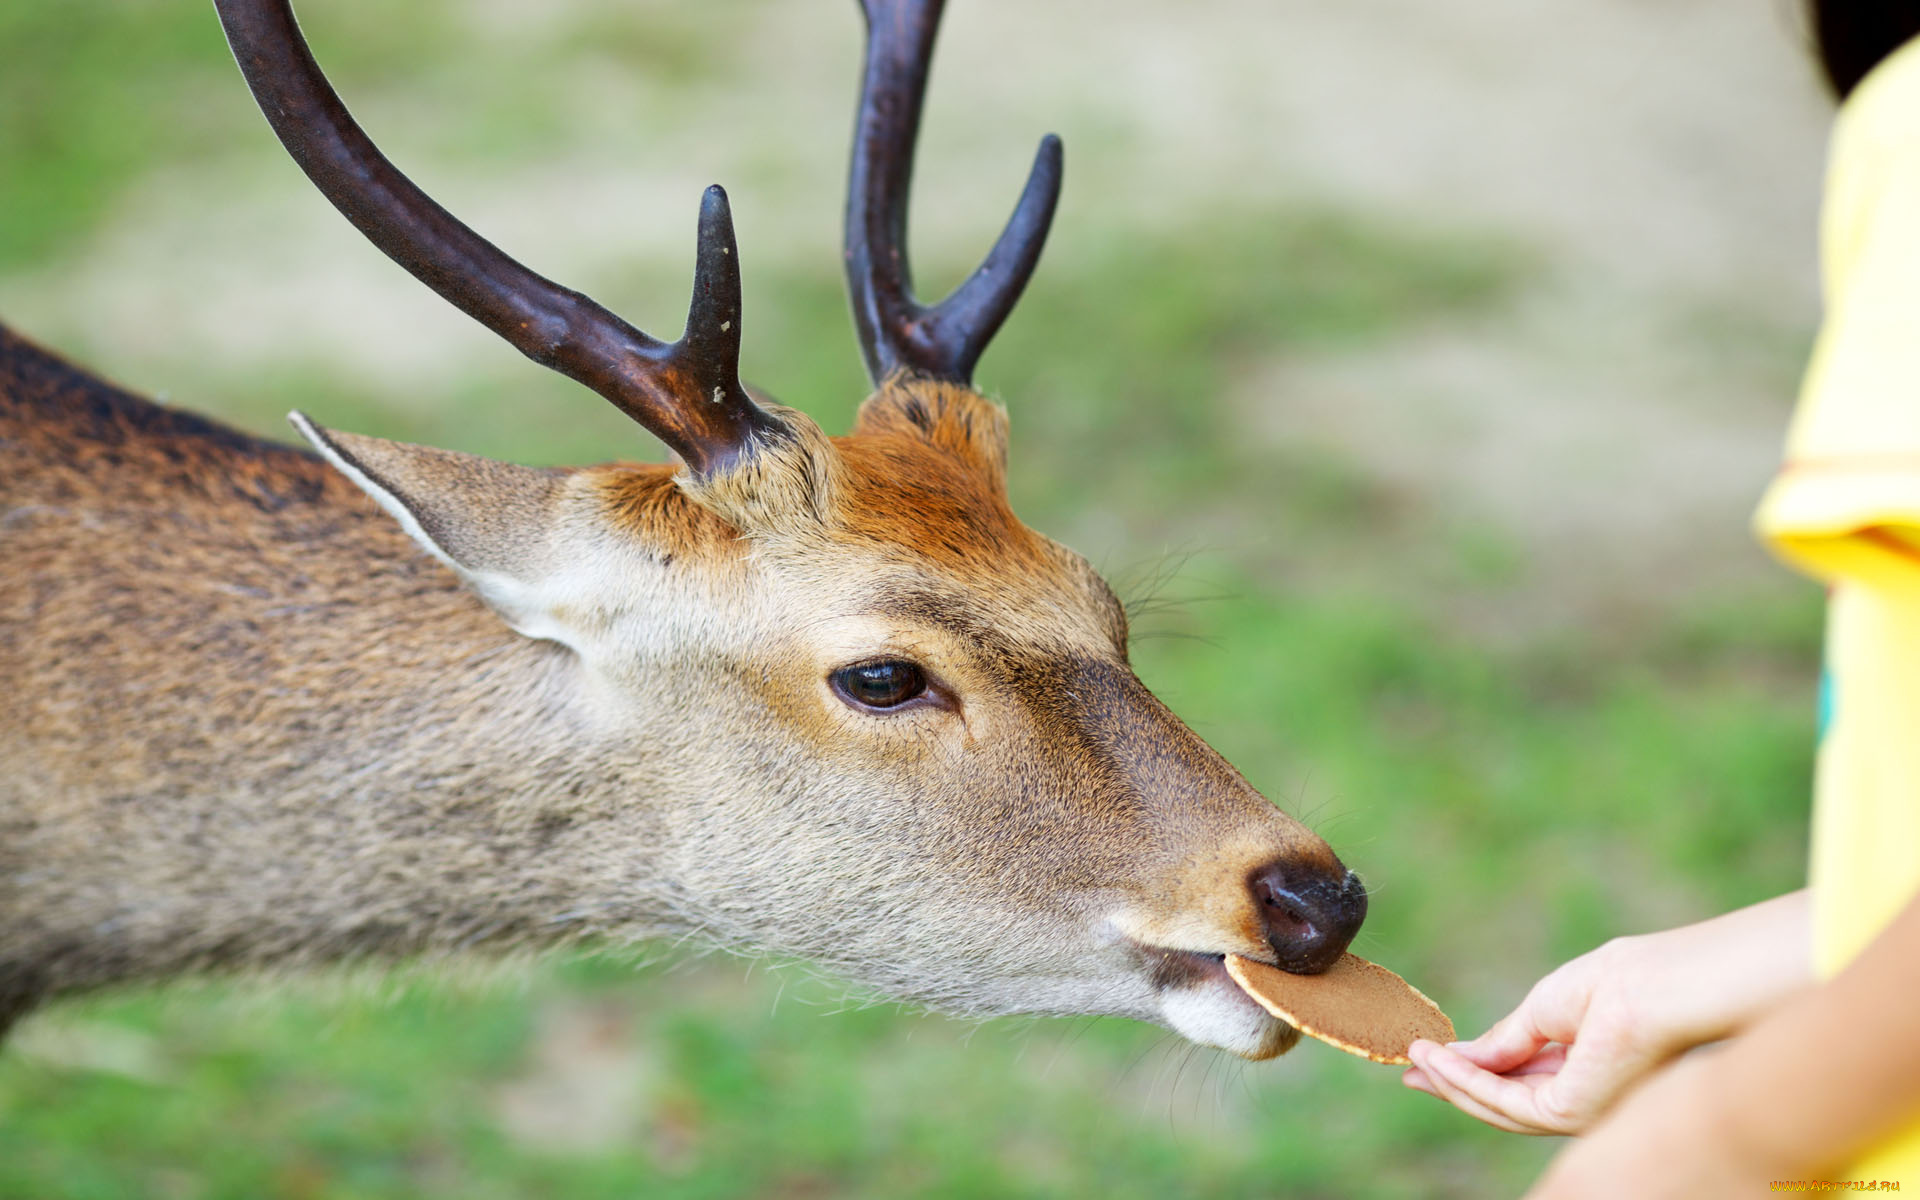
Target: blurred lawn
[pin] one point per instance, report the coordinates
(1511, 801)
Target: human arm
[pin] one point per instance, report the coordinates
(1589, 1031)
(1798, 1095)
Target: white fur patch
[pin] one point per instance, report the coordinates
(1213, 1016)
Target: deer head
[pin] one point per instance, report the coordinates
(870, 717)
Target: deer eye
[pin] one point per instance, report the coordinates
(886, 684)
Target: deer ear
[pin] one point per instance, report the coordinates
(494, 523)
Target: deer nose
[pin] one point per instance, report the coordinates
(1309, 915)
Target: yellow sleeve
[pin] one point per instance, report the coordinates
(1846, 505)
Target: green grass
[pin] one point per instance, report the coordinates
(1511, 803)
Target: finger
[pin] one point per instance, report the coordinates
(1552, 1012)
(1549, 1061)
(1445, 1090)
(1592, 1077)
(1416, 1079)
(1511, 1098)
(1512, 1040)
(1450, 1092)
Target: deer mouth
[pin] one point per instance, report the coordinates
(1184, 968)
(1202, 1003)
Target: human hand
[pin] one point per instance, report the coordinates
(1562, 1058)
(1595, 1027)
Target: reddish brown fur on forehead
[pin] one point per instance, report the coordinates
(945, 416)
(922, 476)
(646, 501)
(925, 470)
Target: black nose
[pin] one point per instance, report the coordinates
(1310, 914)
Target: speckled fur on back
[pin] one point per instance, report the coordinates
(248, 720)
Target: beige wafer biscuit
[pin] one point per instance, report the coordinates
(1355, 1005)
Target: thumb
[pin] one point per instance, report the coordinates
(1512, 1040)
(1552, 1012)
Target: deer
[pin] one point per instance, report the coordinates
(822, 697)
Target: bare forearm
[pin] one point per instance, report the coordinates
(1835, 1069)
(1716, 978)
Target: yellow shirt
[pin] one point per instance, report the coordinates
(1846, 509)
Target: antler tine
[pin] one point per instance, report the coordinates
(686, 393)
(896, 331)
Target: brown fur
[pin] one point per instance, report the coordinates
(247, 721)
(182, 609)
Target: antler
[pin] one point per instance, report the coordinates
(896, 332)
(686, 393)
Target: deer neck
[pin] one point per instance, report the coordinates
(186, 790)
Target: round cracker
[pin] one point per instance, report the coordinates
(1355, 1005)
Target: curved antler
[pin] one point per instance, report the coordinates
(896, 332)
(686, 393)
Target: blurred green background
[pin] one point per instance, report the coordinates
(1410, 366)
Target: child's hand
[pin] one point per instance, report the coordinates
(1555, 1064)
(1590, 1031)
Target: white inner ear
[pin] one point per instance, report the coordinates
(381, 496)
(522, 605)
(519, 602)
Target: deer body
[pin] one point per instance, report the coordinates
(821, 696)
(181, 610)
